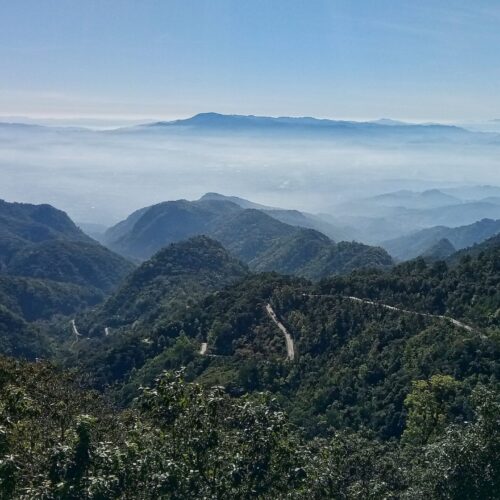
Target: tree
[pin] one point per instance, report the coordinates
(464, 462)
(428, 405)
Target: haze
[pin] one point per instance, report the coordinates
(101, 176)
(116, 64)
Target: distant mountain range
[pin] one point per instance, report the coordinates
(234, 121)
(431, 198)
(208, 123)
(478, 192)
(389, 216)
(489, 245)
(307, 127)
(419, 243)
(218, 120)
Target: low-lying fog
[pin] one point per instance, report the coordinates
(101, 176)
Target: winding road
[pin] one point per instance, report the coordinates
(393, 308)
(75, 331)
(289, 341)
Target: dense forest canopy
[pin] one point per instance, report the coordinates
(176, 380)
(249, 250)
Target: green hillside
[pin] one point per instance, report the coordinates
(81, 263)
(253, 236)
(377, 402)
(21, 339)
(440, 250)
(355, 362)
(341, 376)
(22, 224)
(37, 299)
(39, 241)
(312, 255)
(159, 290)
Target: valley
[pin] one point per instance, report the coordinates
(249, 250)
(224, 294)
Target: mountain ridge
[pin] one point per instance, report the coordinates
(219, 119)
(40, 241)
(254, 236)
(417, 243)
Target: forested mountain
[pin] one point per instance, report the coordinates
(486, 246)
(254, 236)
(83, 263)
(440, 250)
(22, 225)
(178, 274)
(147, 230)
(42, 242)
(160, 290)
(413, 245)
(35, 299)
(355, 362)
(312, 255)
(248, 233)
(366, 383)
(21, 339)
(468, 289)
(48, 268)
(292, 217)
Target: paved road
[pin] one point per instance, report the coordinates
(289, 341)
(393, 308)
(75, 331)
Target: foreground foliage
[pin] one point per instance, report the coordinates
(379, 402)
(183, 441)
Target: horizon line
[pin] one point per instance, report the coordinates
(108, 121)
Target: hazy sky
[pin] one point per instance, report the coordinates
(358, 59)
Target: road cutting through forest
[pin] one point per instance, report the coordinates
(289, 341)
(454, 321)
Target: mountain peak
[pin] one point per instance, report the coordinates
(241, 202)
(389, 122)
(440, 250)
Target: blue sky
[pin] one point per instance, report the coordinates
(352, 59)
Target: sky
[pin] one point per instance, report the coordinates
(132, 60)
